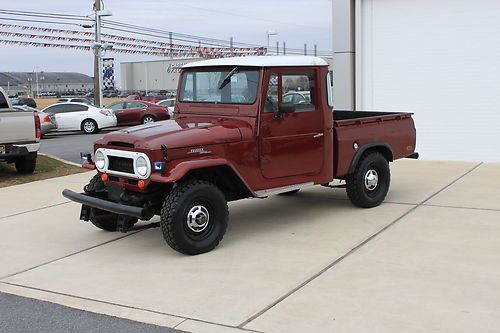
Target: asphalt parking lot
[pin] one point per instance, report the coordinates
(68, 145)
(424, 261)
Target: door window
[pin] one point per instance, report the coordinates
(115, 106)
(134, 105)
(298, 88)
(74, 108)
(55, 109)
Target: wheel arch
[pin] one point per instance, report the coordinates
(381, 147)
(217, 171)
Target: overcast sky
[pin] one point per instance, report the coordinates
(296, 21)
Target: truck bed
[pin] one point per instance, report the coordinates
(393, 130)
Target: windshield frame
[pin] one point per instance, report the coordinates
(225, 70)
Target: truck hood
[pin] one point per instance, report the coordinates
(178, 133)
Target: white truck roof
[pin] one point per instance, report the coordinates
(261, 61)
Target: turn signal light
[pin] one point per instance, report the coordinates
(104, 177)
(141, 184)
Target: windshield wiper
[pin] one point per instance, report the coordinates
(227, 79)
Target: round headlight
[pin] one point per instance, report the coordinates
(141, 166)
(100, 160)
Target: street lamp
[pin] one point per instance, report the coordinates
(270, 33)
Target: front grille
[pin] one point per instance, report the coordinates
(121, 164)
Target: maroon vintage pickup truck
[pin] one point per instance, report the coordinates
(242, 128)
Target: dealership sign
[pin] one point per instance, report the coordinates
(175, 67)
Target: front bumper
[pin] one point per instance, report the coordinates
(105, 205)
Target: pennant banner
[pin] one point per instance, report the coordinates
(157, 48)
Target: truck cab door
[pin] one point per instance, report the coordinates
(291, 143)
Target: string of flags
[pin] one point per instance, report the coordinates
(121, 44)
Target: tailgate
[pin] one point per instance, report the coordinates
(16, 126)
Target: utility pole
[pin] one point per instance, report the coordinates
(284, 48)
(305, 49)
(171, 45)
(277, 48)
(315, 50)
(97, 56)
(231, 46)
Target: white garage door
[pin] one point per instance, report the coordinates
(441, 60)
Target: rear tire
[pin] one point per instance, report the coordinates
(194, 217)
(148, 119)
(89, 126)
(26, 164)
(368, 185)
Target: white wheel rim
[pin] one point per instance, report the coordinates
(89, 126)
(148, 120)
(371, 180)
(198, 218)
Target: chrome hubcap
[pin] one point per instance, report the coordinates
(198, 218)
(148, 120)
(371, 180)
(89, 126)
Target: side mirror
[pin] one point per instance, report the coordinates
(284, 108)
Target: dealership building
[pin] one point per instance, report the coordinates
(436, 58)
(151, 75)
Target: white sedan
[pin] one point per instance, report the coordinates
(80, 117)
(169, 104)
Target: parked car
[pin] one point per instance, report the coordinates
(75, 100)
(297, 97)
(48, 122)
(137, 112)
(135, 97)
(169, 103)
(20, 134)
(186, 169)
(24, 101)
(154, 98)
(80, 117)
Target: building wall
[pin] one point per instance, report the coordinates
(437, 59)
(151, 75)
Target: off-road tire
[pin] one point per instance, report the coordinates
(26, 164)
(144, 119)
(94, 185)
(174, 217)
(101, 219)
(86, 130)
(356, 189)
(289, 192)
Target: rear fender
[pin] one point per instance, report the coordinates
(381, 147)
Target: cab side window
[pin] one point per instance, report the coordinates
(298, 89)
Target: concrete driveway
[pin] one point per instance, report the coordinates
(426, 260)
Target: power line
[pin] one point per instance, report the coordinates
(45, 15)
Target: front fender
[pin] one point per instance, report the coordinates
(178, 169)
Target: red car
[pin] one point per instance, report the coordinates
(137, 112)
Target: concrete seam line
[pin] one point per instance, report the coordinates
(61, 160)
(36, 209)
(351, 251)
(68, 255)
(122, 305)
(459, 207)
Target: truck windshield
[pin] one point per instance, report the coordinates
(228, 86)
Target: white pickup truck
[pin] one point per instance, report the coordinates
(19, 136)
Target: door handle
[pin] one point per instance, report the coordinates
(318, 135)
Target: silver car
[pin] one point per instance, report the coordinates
(48, 122)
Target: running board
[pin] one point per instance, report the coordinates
(283, 189)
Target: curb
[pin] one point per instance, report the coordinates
(61, 160)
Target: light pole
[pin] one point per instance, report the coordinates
(42, 78)
(98, 47)
(270, 33)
